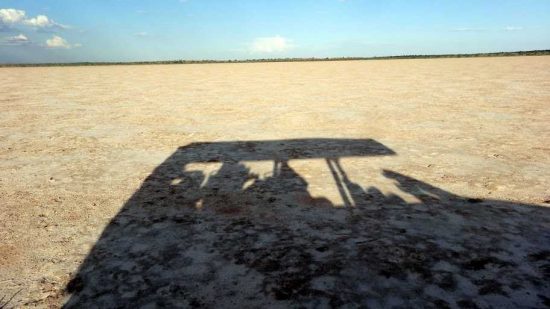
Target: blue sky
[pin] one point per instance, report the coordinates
(139, 30)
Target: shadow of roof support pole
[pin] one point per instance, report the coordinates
(334, 167)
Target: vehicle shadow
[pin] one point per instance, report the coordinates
(232, 238)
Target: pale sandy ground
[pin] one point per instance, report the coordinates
(77, 142)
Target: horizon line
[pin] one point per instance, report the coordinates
(540, 52)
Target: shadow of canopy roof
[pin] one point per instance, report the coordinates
(283, 150)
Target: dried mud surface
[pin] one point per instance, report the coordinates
(404, 183)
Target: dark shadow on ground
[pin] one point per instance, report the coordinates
(234, 239)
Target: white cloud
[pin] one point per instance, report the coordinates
(20, 39)
(42, 21)
(275, 44)
(39, 21)
(11, 16)
(141, 34)
(19, 17)
(59, 42)
(512, 28)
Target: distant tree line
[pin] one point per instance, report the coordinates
(497, 54)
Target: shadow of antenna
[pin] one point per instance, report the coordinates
(5, 305)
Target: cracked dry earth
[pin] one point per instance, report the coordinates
(377, 184)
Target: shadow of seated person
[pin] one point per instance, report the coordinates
(223, 191)
(285, 188)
